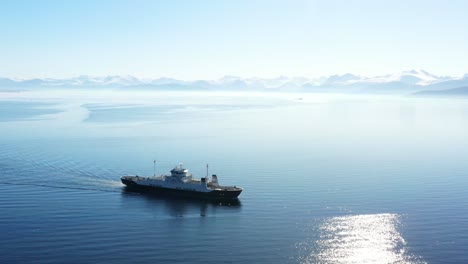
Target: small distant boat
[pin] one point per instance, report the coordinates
(182, 183)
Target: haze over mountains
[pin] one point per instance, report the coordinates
(403, 82)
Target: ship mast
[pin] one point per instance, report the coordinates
(154, 168)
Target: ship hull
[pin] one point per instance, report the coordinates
(215, 194)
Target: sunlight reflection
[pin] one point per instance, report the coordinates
(361, 239)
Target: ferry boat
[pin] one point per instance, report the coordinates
(182, 183)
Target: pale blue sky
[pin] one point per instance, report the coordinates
(209, 39)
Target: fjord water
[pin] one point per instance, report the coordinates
(326, 178)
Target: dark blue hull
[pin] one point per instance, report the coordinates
(215, 194)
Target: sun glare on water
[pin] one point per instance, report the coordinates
(361, 239)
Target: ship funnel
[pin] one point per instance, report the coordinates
(214, 179)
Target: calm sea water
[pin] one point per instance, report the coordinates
(326, 178)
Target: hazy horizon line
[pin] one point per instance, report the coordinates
(409, 71)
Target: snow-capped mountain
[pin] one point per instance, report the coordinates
(343, 79)
(406, 81)
(413, 77)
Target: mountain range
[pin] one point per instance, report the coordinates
(404, 82)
